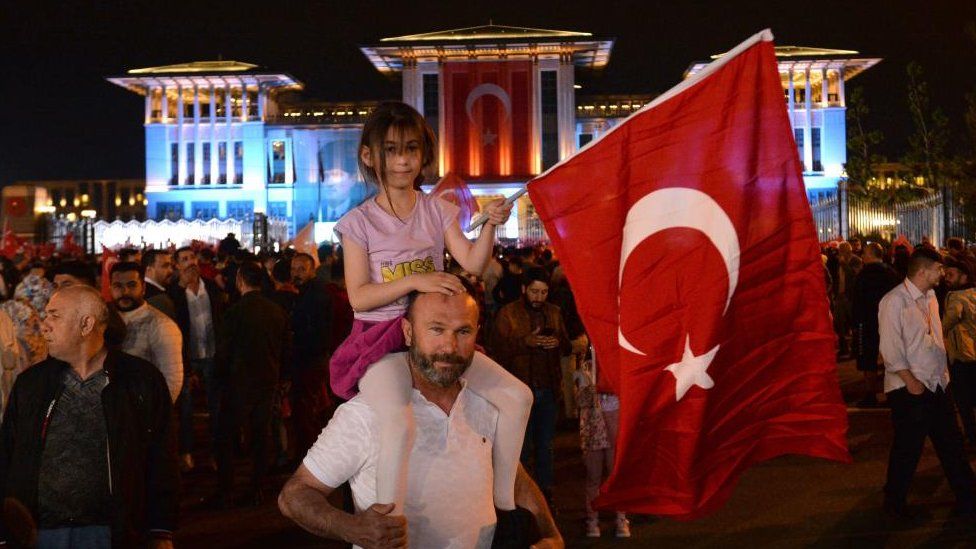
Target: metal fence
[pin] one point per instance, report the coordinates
(931, 218)
(94, 235)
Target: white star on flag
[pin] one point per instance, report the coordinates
(691, 370)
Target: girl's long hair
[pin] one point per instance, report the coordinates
(403, 119)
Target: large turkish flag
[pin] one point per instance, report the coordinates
(487, 118)
(690, 247)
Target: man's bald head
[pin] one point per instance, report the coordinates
(86, 301)
(76, 316)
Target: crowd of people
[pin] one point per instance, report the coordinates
(251, 336)
(343, 367)
(907, 315)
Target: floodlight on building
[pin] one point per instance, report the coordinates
(90, 214)
(132, 201)
(45, 209)
(71, 216)
(118, 200)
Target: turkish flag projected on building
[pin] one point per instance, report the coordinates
(690, 247)
(488, 118)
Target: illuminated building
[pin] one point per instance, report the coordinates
(813, 90)
(227, 139)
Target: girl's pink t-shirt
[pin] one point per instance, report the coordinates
(397, 248)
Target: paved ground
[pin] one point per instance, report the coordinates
(786, 502)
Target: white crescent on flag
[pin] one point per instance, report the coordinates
(488, 89)
(685, 208)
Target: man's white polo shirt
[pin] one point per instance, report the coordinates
(449, 480)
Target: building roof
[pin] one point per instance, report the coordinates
(487, 32)
(208, 67)
(488, 42)
(804, 51)
(801, 58)
(218, 74)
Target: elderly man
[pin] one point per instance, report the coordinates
(916, 382)
(449, 499)
(86, 443)
(150, 334)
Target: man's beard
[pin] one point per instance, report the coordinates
(442, 377)
(126, 304)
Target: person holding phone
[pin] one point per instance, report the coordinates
(529, 338)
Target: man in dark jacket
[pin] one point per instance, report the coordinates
(251, 347)
(875, 280)
(311, 325)
(62, 416)
(199, 308)
(528, 339)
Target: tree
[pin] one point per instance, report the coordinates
(928, 146)
(861, 142)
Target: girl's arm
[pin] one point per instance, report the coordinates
(366, 296)
(474, 257)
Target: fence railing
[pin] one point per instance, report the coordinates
(162, 234)
(841, 215)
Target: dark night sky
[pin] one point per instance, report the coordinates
(62, 120)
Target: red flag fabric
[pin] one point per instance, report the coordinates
(488, 118)
(11, 244)
(109, 258)
(453, 189)
(71, 248)
(689, 243)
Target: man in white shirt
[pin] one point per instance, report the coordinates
(150, 334)
(449, 499)
(916, 381)
(199, 304)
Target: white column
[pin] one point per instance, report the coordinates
(243, 102)
(566, 107)
(229, 148)
(441, 120)
(807, 133)
(262, 97)
(180, 149)
(197, 143)
(214, 166)
(825, 94)
(791, 97)
(536, 118)
(149, 95)
(289, 163)
(164, 106)
(840, 87)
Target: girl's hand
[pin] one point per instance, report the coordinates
(498, 212)
(438, 282)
